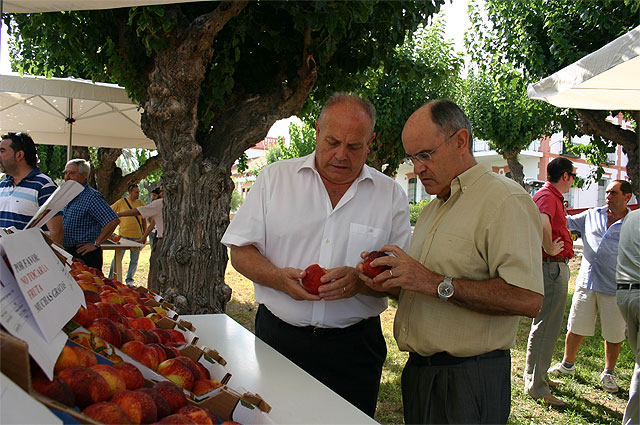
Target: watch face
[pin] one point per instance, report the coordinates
(445, 289)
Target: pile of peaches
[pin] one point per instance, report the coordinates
(115, 394)
(118, 314)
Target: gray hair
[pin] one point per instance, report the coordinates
(450, 117)
(340, 97)
(83, 166)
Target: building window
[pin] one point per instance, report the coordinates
(411, 190)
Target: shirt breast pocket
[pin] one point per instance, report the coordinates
(363, 238)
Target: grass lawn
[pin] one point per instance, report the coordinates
(587, 402)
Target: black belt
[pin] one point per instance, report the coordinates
(446, 359)
(628, 286)
(317, 331)
(555, 260)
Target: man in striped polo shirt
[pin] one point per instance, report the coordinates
(25, 188)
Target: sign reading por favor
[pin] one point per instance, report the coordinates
(51, 293)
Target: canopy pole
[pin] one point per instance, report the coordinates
(70, 120)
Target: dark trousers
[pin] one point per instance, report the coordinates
(442, 389)
(91, 259)
(349, 360)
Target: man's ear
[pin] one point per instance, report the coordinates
(19, 155)
(461, 139)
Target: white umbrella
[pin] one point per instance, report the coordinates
(606, 79)
(65, 111)
(27, 6)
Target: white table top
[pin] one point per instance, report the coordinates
(295, 396)
(122, 243)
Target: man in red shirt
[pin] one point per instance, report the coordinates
(557, 249)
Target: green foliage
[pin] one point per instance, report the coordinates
(51, 160)
(236, 200)
(500, 111)
(423, 68)
(540, 37)
(242, 163)
(415, 209)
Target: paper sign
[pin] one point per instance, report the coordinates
(56, 202)
(18, 407)
(51, 294)
(17, 319)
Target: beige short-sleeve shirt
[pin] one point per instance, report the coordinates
(488, 228)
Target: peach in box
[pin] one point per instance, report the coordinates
(204, 386)
(107, 330)
(172, 393)
(198, 415)
(139, 406)
(370, 270)
(107, 413)
(140, 352)
(85, 357)
(113, 377)
(57, 389)
(87, 385)
(178, 372)
(176, 419)
(311, 280)
(67, 358)
(162, 407)
(132, 376)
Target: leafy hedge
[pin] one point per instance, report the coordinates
(414, 210)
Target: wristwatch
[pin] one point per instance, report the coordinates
(446, 288)
(96, 245)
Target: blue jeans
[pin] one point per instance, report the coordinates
(134, 254)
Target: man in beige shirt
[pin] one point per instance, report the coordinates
(473, 268)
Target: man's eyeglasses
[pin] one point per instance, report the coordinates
(424, 157)
(574, 175)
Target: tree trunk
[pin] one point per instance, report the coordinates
(197, 166)
(593, 123)
(517, 173)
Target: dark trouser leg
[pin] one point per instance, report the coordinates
(477, 391)
(91, 259)
(350, 363)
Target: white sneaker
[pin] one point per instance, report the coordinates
(559, 369)
(609, 382)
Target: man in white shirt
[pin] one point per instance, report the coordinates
(154, 212)
(325, 208)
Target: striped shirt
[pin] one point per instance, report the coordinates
(85, 217)
(19, 202)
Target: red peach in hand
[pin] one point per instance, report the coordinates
(370, 270)
(311, 279)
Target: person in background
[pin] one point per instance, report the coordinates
(25, 189)
(155, 194)
(153, 211)
(131, 228)
(628, 298)
(88, 219)
(557, 250)
(324, 208)
(472, 270)
(595, 292)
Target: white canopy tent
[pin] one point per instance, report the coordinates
(606, 79)
(65, 111)
(28, 6)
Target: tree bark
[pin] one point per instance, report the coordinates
(593, 123)
(517, 171)
(197, 167)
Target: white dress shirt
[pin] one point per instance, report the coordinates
(288, 217)
(154, 210)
